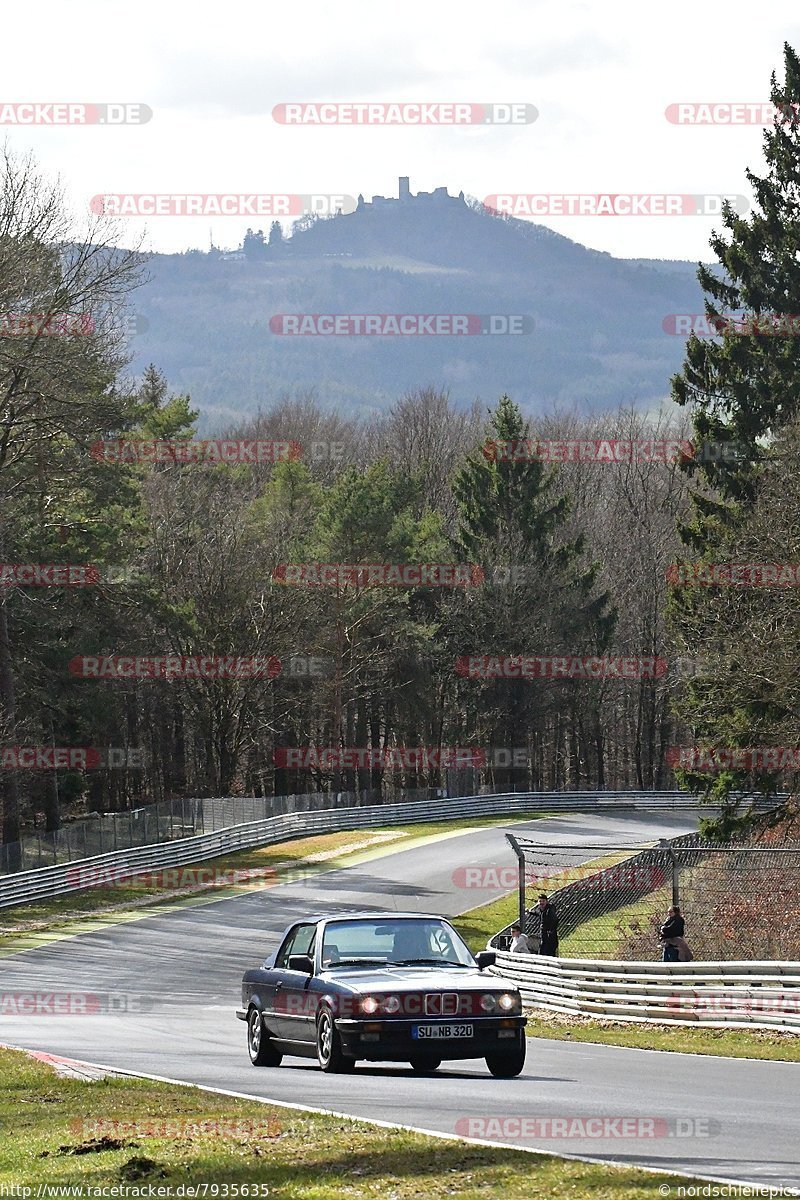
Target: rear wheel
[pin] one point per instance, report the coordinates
(425, 1062)
(329, 1046)
(259, 1046)
(506, 1064)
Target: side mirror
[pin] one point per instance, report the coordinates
(301, 962)
(486, 958)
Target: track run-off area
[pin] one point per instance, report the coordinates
(162, 992)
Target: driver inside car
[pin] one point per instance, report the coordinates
(331, 957)
(410, 943)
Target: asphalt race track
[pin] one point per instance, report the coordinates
(165, 988)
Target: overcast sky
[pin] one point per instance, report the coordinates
(601, 77)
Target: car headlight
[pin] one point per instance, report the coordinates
(369, 1005)
(391, 1004)
(507, 1001)
(488, 1002)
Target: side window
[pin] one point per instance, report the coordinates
(299, 940)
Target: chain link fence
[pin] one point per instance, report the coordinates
(169, 820)
(739, 900)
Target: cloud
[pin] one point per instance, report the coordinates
(252, 87)
(558, 57)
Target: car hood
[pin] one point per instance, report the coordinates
(415, 979)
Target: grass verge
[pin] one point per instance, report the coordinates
(51, 1137)
(683, 1039)
(603, 936)
(479, 924)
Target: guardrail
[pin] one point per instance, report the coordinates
(739, 995)
(168, 821)
(27, 886)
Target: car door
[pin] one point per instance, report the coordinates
(262, 986)
(293, 1004)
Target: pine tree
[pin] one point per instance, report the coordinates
(539, 597)
(744, 385)
(742, 388)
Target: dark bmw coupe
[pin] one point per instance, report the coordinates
(384, 987)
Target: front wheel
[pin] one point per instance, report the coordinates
(329, 1046)
(506, 1064)
(424, 1063)
(259, 1047)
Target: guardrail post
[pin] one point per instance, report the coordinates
(520, 878)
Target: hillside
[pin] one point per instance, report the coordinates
(597, 337)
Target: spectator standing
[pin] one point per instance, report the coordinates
(671, 933)
(549, 927)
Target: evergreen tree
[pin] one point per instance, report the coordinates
(539, 596)
(744, 385)
(253, 246)
(742, 388)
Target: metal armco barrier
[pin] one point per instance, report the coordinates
(749, 995)
(27, 886)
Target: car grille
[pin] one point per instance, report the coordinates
(441, 1004)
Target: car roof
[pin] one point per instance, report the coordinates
(362, 915)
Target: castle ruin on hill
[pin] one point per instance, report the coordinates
(439, 195)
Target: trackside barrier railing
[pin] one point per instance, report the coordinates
(738, 995)
(26, 886)
(167, 821)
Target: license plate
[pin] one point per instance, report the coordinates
(424, 1032)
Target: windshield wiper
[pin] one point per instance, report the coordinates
(422, 962)
(357, 962)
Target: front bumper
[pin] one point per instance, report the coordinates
(393, 1039)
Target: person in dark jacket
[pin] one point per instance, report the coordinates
(676, 948)
(549, 927)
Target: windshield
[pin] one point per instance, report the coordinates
(410, 941)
